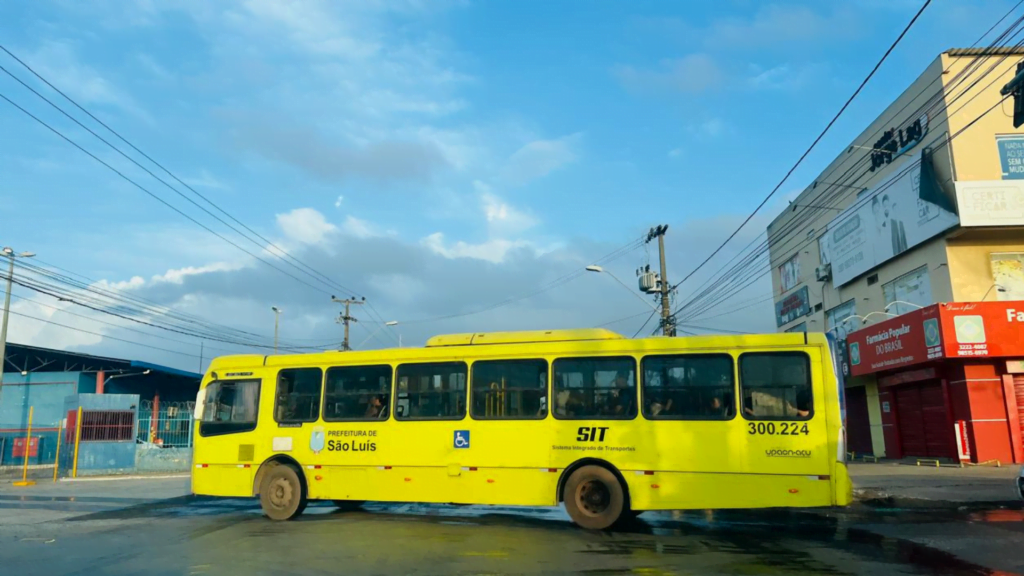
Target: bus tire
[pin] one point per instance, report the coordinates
(349, 505)
(594, 498)
(282, 494)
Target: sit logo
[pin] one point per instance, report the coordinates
(461, 439)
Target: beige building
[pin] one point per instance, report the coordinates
(926, 205)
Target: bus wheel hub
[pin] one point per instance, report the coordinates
(281, 493)
(593, 497)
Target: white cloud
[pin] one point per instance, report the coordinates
(305, 225)
(775, 24)
(784, 76)
(503, 219)
(205, 180)
(494, 250)
(541, 157)
(358, 228)
(691, 74)
(58, 62)
(711, 128)
(177, 276)
(675, 153)
(337, 203)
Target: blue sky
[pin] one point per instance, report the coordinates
(437, 157)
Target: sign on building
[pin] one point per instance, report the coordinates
(990, 202)
(1011, 156)
(883, 223)
(950, 330)
(793, 306)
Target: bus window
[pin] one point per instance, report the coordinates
(298, 395)
(230, 406)
(776, 386)
(357, 393)
(688, 387)
(587, 388)
(510, 389)
(435, 391)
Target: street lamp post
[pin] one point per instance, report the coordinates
(595, 268)
(390, 324)
(10, 255)
(277, 318)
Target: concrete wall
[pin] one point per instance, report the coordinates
(970, 263)
(102, 457)
(163, 459)
(45, 393)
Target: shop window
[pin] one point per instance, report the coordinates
(909, 292)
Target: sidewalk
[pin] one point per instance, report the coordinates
(49, 501)
(887, 482)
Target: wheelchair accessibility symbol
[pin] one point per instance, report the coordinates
(462, 438)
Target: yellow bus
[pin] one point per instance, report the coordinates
(607, 425)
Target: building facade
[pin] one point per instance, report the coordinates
(125, 404)
(923, 210)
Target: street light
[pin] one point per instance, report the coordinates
(389, 324)
(8, 253)
(895, 302)
(277, 317)
(596, 268)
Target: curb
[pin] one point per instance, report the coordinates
(881, 499)
(133, 477)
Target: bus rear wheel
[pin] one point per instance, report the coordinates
(348, 505)
(594, 498)
(282, 496)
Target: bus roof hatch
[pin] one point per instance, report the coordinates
(477, 338)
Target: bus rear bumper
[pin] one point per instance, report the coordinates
(843, 486)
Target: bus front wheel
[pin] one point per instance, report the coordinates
(594, 498)
(281, 494)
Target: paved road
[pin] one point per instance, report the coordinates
(111, 528)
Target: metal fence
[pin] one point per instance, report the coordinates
(170, 425)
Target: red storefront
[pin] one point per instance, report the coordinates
(950, 380)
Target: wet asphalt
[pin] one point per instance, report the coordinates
(58, 535)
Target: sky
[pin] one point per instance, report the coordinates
(456, 163)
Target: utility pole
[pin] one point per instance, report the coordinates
(347, 317)
(667, 325)
(10, 255)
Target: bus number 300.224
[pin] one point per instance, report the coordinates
(780, 429)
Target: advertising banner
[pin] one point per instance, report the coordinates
(1011, 156)
(939, 331)
(905, 340)
(972, 329)
(990, 202)
(887, 221)
(793, 306)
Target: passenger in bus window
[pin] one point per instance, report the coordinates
(376, 407)
(620, 401)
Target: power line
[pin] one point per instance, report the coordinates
(713, 283)
(286, 256)
(811, 147)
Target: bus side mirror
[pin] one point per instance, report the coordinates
(197, 412)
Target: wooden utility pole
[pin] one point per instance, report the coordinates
(346, 317)
(668, 327)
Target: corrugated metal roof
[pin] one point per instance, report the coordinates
(1009, 51)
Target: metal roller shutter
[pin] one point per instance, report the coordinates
(922, 421)
(1018, 388)
(858, 427)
